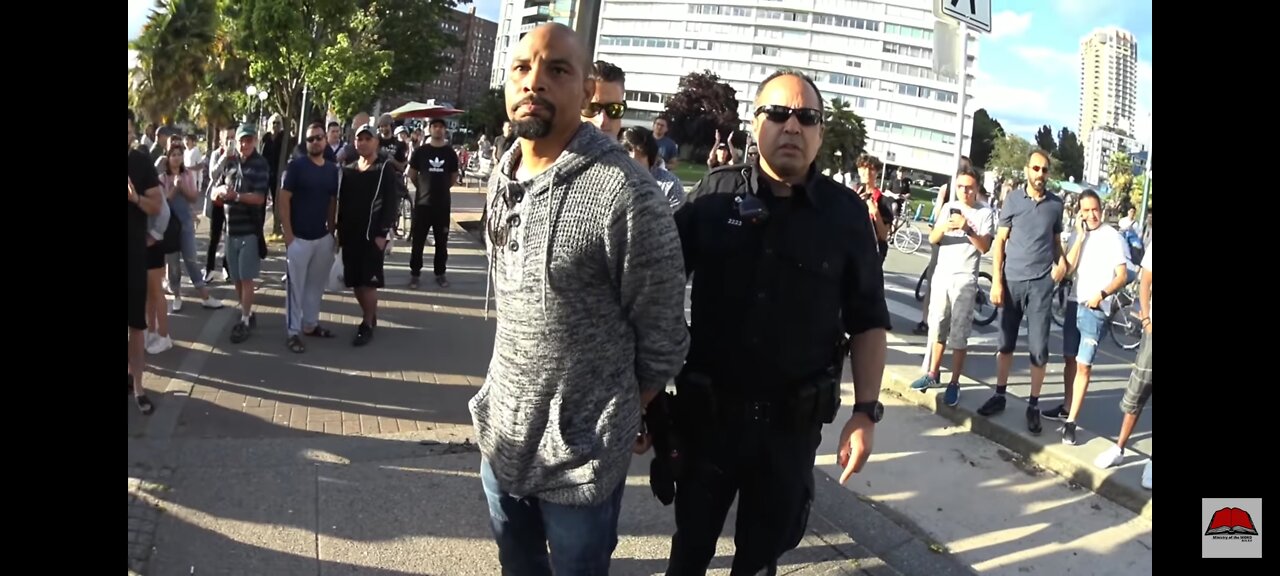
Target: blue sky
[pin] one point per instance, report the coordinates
(1029, 71)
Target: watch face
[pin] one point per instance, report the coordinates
(878, 412)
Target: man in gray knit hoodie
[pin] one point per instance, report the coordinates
(589, 280)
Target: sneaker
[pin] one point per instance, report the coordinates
(253, 319)
(444, 283)
(176, 304)
(924, 383)
(212, 303)
(952, 396)
(240, 332)
(413, 282)
(1058, 412)
(1068, 433)
(921, 329)
(149, 338)
(993, 405)
(1033, 420)
(160, 344)
(1146, 476)
(363, 335)
(1109, 457)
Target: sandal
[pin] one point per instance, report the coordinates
(145, 405)
(239, 332)
(295, 345)
(319, 332)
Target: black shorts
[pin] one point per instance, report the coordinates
(1031, 299)
(137, 289)
(362, 264)
(155, 256)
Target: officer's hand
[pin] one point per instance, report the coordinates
(642, 443)
(855, 445)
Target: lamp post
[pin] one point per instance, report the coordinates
(262, 108)
(251, 92)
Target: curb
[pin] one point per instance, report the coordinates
(1121, 485)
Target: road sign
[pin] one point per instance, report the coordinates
(975, 13)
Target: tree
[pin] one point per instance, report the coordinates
(487, 115)
(844, 133)
(1135, 192)
(703, 105)
(220, 99)
(172, 52)
(986, 130)
(1070, 155)
(349, 71)
(1044, 139)
(410, 32)
(1120, 177)
(1009, 156)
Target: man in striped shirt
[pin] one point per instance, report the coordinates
(243, 191)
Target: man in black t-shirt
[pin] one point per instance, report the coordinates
(145, 199)
(390, 147)
(367, 205)
(434, 169)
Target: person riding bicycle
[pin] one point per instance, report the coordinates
(900, 192)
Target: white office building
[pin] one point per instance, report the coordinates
(517, 17)
(1102, 144)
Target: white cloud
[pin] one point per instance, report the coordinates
(1048, 59)
(1008, 24)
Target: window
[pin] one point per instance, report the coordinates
(847, 80)
(697, 45)
(846, 22)
(907, 12)
(917, 91)
(784, 15)
(915, 132)
(650, 97)
(718, 10)
(638, 42)
(905, 50)
(913, 71)
(766, 50)
(908, 31)
(715, 28)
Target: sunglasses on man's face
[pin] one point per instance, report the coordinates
(314, 138)
(780, 114)
(613, 110)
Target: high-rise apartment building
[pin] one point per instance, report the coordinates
(465, 78)
(1108, 81)
(518, 17)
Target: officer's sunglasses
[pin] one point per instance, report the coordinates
(780, 114)
(614, 110)
(500, 231)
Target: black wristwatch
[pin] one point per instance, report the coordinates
(875, 410)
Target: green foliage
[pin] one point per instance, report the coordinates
(844, 133)
(1009, 155)
(1068, 161)
(349, 71)
(702, 106)
(986, 130)
(487, 115)
(172, 51)
(410, 31)
(1044, 139)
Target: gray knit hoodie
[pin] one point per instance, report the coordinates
(590, 300)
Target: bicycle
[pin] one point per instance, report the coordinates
(1058, 304)
(1126, 318)
(903, 235)
(984, 312)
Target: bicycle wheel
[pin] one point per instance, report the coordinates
(405, 220)
(1058, 304)
(984, 312)
(1125, 327)
(922, 285)
(907, 239)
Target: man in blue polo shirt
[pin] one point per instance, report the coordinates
(1028, 243)
(309, 208)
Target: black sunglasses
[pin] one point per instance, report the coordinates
(500, 231)
(614, 110)
(314, 138)
(780, 114)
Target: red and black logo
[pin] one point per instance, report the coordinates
(1231, 521)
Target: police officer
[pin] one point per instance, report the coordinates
(784, 266)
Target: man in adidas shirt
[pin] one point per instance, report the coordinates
(434, 169)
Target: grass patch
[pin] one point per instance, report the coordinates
(690, 172)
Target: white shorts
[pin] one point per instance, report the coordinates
(951, 303)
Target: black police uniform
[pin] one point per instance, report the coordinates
(777, 283)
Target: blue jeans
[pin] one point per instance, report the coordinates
(187, 254)
(582, 538)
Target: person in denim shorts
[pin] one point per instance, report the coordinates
(1028, 244)
(1098, 261)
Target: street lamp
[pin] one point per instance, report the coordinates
(262, 108)
(251, 92)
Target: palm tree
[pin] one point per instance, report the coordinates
(220, 98)
(173, 50)
(844, 134)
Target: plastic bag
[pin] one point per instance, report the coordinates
(336, 281)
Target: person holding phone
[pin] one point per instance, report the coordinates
(959, 242)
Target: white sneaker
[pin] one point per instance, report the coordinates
(165, 284)
(212, 303)
(175, 305)
(1146, 476)
(1109, 457)
(149, 339)
(160, 344)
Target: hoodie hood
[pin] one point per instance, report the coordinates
(587, 145)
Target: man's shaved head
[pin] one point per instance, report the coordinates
(548, 82)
